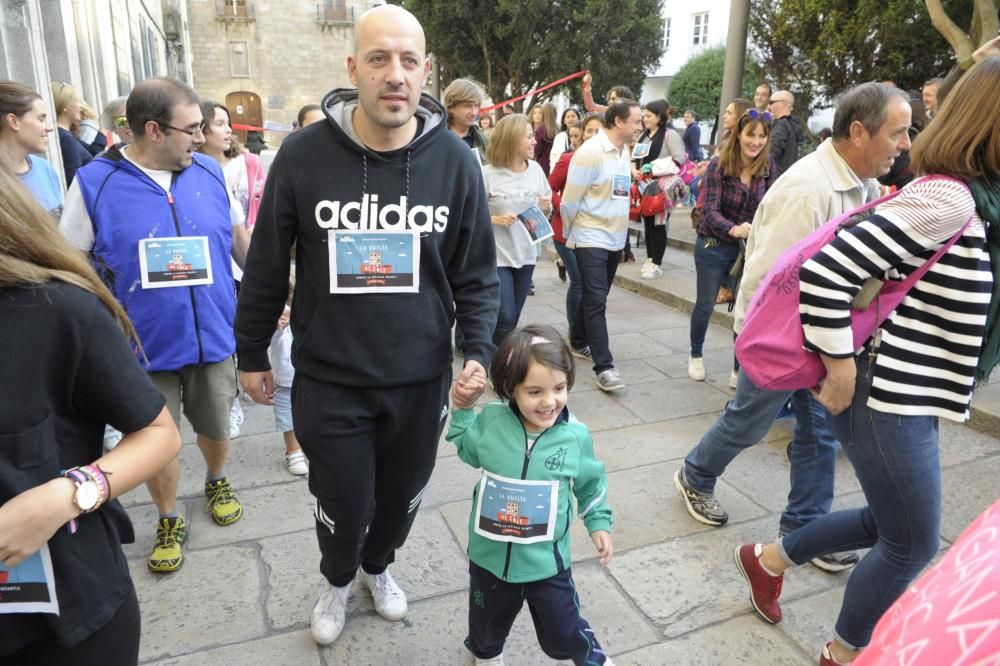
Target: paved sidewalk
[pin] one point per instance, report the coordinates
(671, 595)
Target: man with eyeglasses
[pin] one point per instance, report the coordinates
(786, 130)
(161, 225)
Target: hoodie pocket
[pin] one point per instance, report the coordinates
(384, 339)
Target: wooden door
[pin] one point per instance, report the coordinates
(244, 107)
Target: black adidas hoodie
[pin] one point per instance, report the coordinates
(371, 339)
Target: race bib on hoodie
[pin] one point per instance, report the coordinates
(386, 261)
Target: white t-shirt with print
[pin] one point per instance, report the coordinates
(510, 192)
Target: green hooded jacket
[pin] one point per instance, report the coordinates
(496, 441)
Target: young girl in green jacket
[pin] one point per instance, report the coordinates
(535, 459)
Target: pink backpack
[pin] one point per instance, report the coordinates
(771, 345)
(686, 171)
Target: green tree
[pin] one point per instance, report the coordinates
(698, 84)
(511, 46)
(819, 48)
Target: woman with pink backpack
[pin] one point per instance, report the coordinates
(919, 365)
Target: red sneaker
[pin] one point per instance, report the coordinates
(764, 588)
(826, 658)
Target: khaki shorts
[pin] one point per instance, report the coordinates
(206, 393)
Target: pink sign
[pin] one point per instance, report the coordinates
(950, 615)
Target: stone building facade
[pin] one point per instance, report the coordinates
(265, 59)
(100, 47)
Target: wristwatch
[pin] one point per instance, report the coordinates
(88, 492)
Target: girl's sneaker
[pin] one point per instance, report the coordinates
(296, 463)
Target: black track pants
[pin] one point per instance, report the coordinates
(371, 453)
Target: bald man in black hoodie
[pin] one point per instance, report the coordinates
(387, 214)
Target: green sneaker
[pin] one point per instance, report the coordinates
(167, 555)
(222, 502)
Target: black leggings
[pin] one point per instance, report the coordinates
(656, 238)
(114, 644)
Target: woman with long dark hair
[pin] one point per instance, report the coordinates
(733, 185)
(660, 140)
(561, 144)
(243, 171)
(545, 135)
(72, 370)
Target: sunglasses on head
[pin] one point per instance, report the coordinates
(754, 114)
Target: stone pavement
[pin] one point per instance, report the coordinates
(671, 595)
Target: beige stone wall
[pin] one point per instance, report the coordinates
(294, 59)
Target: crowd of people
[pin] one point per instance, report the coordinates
(329, 285)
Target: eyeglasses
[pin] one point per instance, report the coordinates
(754, 114)
(121, 122)
(200, 129)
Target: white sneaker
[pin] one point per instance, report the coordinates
(493, 661)
(609, 380)
(297, 463)
(696, 369)
(645, 265)
(111, 438)
(734, 377)
(390, 601)
(329, 613)
(651, 273)
(235, 419)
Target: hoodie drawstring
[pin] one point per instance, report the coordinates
(406, 185)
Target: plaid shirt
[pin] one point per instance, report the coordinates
(727, 202)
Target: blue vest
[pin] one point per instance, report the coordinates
(177, 326)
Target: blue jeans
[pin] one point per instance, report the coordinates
(694, 187)
(896, 460)
(590, 326)
(712, 266)
(514, 284)
(575, 291)
(746, 420)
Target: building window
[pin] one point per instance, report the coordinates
(700, 35)
(239, 59)
(334, 11)
(666, 34)
(234, 10)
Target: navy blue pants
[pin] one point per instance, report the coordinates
(555, 610)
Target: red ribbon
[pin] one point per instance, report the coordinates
(251, 128)
(532, 92)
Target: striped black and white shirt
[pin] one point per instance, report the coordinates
(930, 344)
